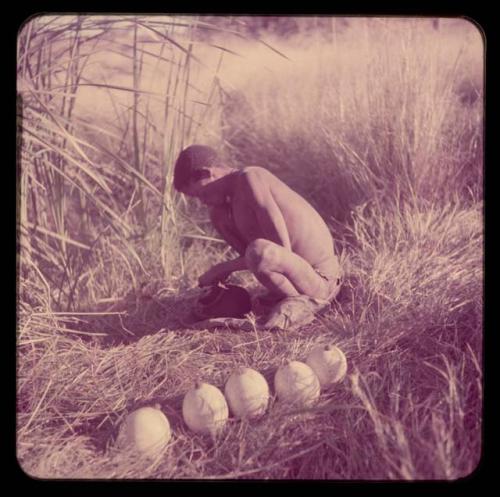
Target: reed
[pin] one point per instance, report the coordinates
(83, 171)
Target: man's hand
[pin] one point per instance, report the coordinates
(214, 275)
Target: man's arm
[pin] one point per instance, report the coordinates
(271, 221)
(221, 271)
(223, 223)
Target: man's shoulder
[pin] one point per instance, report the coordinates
(254, 170)
(252, 179)
(252, 174)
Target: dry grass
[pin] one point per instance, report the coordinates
(109, 255)
(393, 110)
(385, 424)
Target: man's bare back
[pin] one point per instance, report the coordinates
(260, 199)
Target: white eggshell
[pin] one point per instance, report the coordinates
(146, 430)
(296, 383)
(329, 363)
(247, 393)
(205, 409)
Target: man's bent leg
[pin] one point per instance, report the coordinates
(282, 272)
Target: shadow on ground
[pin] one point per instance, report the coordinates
(138, 315)
(155, 309)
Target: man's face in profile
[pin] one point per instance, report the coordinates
(198, 181)
(201, 189)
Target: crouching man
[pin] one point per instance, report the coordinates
(278, 235)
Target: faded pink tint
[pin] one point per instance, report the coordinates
(348, 181)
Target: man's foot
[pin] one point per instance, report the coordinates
(292, 312)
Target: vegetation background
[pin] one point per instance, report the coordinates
(378, 122)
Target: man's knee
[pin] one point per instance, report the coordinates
(262, 255)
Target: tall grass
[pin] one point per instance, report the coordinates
(381, 129)
(392, 110)
(84, 173)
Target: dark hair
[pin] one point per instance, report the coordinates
(190, 161)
